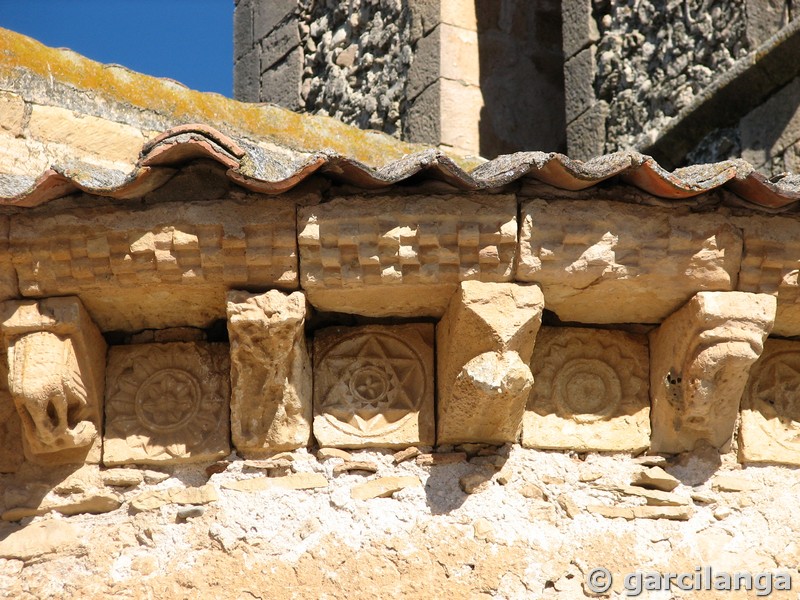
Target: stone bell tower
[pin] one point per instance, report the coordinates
(472, 76)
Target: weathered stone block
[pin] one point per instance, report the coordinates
(586, 135)
(579, 73)
(24, 156)
(12, 113)
(484, 343)
(279, 43)
(590, 391)
(578, 27)
(94, 135)
(460, 13)
(247, 77)
(700, 358)
(270, 371)
(243, 28)
(461, 106)
(383, 487)
(423, 117)
(458, 55)
(167, 403)
(764, 18)
(403, 256)
(769, 430)
(56, 374)
(43, 537)
(153, 499)
(268, 14)
(373, 386)
(769, 266)
(609, 262)
(163, 265)
(424, 71)
(447, 112)
(281, 82)
(432, 13)
(768, 130)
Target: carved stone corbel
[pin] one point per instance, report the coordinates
(271, 403)
(700, 358)
(484, 346)
(56, 376)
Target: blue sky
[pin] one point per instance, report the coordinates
(190, 41)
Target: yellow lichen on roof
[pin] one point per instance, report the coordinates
(175, 102)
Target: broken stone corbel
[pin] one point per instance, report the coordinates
(700, 358)
(484, 342)
(271, 401)
(56, 375)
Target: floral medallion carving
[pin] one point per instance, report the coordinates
(590, 391)
(373, 385)
(770, 426)
(167, 403)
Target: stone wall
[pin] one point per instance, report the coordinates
(468, 76)
(768, 137)
(356, 61)
(654, 58)
(396, 410)
(521, 76)
(636, 71)
(532, 524)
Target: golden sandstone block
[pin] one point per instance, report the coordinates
(770, 426)
(373, 386)
(769, 266)
(403, 255)
(270, 371)
(484, 344)
(167, 403)
(163, 265)
(699, 361)
(612, 262)
(590, 391)
(56, 368)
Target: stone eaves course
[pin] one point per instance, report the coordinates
(147, 205)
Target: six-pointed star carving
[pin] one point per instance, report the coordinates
(378, 379)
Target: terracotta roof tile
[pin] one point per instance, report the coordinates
(273, 157)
